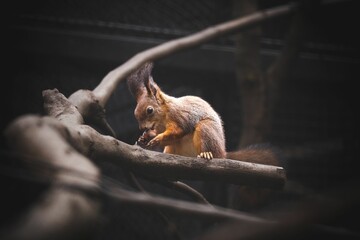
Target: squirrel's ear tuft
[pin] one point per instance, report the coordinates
(154, 91)
(151, 87)
(138, 80)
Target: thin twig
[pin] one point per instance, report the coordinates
(183, 188)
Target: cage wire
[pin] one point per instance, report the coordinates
(167, 20)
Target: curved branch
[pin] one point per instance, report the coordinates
(171, 167)
(105, 89)
(54, 216)
(183, 188)
(93, 113)
(30, 135)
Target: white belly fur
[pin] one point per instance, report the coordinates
(184, 147)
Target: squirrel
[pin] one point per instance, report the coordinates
(186, 126)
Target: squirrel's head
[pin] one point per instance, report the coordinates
(150, 110)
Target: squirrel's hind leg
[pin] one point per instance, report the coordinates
(209, 142)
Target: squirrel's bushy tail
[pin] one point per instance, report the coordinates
(258, 153)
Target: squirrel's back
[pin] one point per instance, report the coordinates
(189, 110)
(195, 115)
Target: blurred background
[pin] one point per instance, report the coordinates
(311, 115)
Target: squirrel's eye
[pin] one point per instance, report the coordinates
(149, 110)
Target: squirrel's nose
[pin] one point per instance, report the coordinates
(145, 126)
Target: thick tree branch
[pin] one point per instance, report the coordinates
(155, 164)
(174, 167)
(90, 109)
(57, 140)
(30, 135)
(107, 86)
(54, 216)
(260, 92)
(167, 166)
(281, 68)
(251, 84)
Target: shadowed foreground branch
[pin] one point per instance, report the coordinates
(64, 142)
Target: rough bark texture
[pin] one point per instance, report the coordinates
(171, 167)
(60, 213)
(65, 211)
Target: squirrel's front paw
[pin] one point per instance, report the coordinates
(153, 142)
(206, 155)
(144, 139)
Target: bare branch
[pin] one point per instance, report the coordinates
(183, 207)
(183, 188)
(174, 167)
(44, 138)
(168, 166)
(55, 139)
(105, 89)
(90, 109)
(61, 219)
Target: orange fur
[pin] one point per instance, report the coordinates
(187, 125)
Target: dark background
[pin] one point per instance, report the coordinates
(71, 45)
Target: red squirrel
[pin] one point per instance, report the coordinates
(186, 126)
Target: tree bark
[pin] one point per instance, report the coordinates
(251, 83)
(260, 91)
(60, 213)
(168, 166)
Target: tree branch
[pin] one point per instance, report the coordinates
(183, 188)
(281, 68)
(171, 167)
(154, 164)
(105, 89)
(54, 216)
(30, 135)
(183, 207)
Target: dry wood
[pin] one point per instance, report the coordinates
(59, 214)
(54, 216)
(167, 166)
